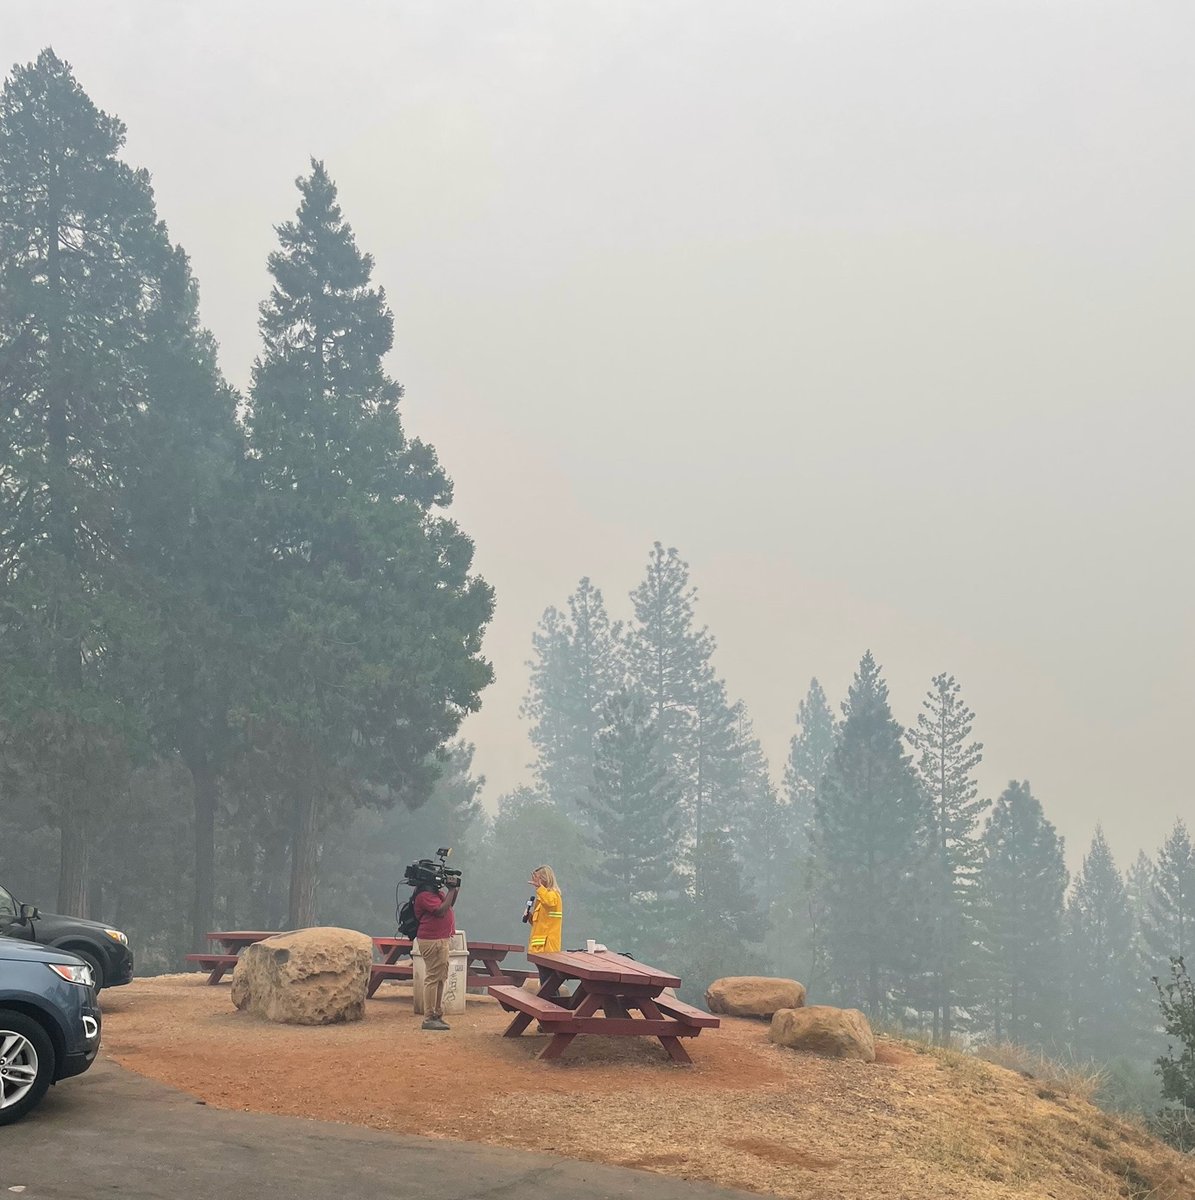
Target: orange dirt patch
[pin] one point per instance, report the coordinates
(747, 1114)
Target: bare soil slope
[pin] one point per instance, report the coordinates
(747, 1114)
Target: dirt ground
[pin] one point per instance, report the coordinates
(747, 1114)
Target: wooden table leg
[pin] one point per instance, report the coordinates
(676, 1051)
(556, 1047)
(217, 974)
(550, 987)
(516, 1027)
(584, 1005)
(588, 1006)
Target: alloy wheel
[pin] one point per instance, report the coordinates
(18, 1067)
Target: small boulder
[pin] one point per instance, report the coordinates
(822, 1029)
(308, 977)
(753, 995)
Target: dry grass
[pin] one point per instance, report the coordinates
(1083, 1079)
(918, 1123)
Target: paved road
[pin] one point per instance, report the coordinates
(110, 1133)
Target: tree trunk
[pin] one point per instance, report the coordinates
(96, 908)
(68, 659)
(304, 856)
(204, 898)
(72, 872)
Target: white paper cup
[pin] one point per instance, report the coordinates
(590, 945)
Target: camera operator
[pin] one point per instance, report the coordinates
(433, 906)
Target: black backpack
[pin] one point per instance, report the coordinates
(408, 922)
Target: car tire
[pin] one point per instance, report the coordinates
(26, 1064)
(97, 972)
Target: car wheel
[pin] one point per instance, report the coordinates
(97, 972)
(26, 1064)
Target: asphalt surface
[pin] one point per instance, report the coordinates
(113, 1133)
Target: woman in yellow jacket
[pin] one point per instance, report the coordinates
(546, 916)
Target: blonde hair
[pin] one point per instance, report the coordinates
(548, 876)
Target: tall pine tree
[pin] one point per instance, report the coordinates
(191, 543)
(98, 338)
(946, 763)
(668, 659)
(577, 667)
(1107, 981)
(633, 889)
(1169, 919)
(809, 754)
(1020, 950)
(375, 627)
(869, 849)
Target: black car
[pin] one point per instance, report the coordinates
(49, 1023)
(104, 949)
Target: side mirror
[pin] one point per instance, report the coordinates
(29, 912)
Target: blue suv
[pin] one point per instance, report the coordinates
(49, 1022)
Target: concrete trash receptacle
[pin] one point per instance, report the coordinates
(458, 975)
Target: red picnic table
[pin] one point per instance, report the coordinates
(232, 941)
(610, 988)
(487, 956)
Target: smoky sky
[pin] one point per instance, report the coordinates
(879, 312)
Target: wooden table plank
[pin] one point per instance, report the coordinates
(577, 966)
(631, 967)
(605, 965)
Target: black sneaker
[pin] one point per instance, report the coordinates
(436, 1023)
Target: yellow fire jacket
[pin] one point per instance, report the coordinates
(547, 917)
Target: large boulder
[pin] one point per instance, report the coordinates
(821, 1029)
(309, 977)
(753, 995)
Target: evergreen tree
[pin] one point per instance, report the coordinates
(750, 813)
(869, 818)
(720, 779)
(1169, 918)
(797, 935)
(633, 887)
(93, 301)
(191, 545)
(374, 619)
(363, 860)
(723, 925)
(809, 755)
(1138, 882)
(528, 830)
(946, 763)
(576, 669)
(1105, 973)
(1022, 889)
(668, 659)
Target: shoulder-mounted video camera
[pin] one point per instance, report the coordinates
(436, 872)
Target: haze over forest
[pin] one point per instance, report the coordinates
(879, 314)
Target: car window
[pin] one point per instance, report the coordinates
(8, 907)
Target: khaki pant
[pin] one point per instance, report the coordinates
(435, 965)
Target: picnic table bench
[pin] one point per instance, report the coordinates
(610, 989)
(232, 942)
(217, 964)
